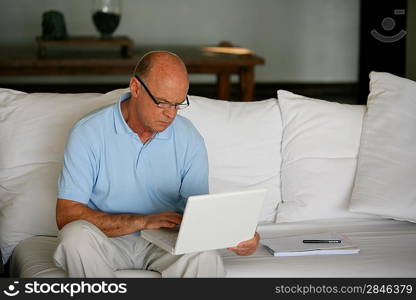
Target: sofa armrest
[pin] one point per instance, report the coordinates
(2, 269)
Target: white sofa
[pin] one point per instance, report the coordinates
(304, 151)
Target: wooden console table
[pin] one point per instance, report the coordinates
(25, 62)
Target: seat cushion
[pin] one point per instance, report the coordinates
(387, 250)
(33, 258)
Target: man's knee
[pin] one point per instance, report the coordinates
(77, 232)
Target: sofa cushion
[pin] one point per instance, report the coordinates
(387, 250)
(33, 131)
(386, 174)
(319, 155)
(34, 258)
(243, 143)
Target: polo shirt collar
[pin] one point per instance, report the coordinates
(121, 126)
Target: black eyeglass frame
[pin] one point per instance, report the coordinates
(161, 103)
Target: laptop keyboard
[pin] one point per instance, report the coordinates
(170, 236)
(169, 239)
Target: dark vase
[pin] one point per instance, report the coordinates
(106, 15)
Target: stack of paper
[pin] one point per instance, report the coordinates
(319, 244)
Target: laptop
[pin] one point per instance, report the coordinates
(212, 221)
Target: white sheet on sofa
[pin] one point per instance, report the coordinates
(319, 154)
(243, 143)
(33, 131)
(385, 183)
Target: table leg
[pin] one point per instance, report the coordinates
(224, 86)
(247, 83)
(41, 51)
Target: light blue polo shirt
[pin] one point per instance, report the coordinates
(107, 167)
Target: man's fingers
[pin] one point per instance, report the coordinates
(174, 219)
(249, 243)
(246, 248)
(167, 224)
(242, 252)
(171, 217)
(238, 248)
(171, 213)
(245, 245)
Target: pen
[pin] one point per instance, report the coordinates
(321, 241)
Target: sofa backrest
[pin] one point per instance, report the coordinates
(314, 142)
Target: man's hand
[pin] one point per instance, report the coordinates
(247, 247)
(167, 219)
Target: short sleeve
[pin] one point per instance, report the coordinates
(195, 179)
(79, 169)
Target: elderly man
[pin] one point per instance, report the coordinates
(131, 166)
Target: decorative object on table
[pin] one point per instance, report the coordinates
(226, 47)
(53, 26)
(225, 44)
(106, 15)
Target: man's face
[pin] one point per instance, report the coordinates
(152, 117)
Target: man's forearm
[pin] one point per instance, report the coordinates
(111, 225)
(116, 225)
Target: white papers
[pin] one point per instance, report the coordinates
(294, 246)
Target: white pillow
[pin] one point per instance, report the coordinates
(33, 130)
(319, 154)
(243, 143)
(385, 184)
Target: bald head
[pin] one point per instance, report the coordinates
(160, 61)
(165, 74)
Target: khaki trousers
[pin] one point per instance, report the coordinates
(85, 251)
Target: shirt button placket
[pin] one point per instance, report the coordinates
(140, 147)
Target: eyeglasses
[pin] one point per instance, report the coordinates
(164, 104)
